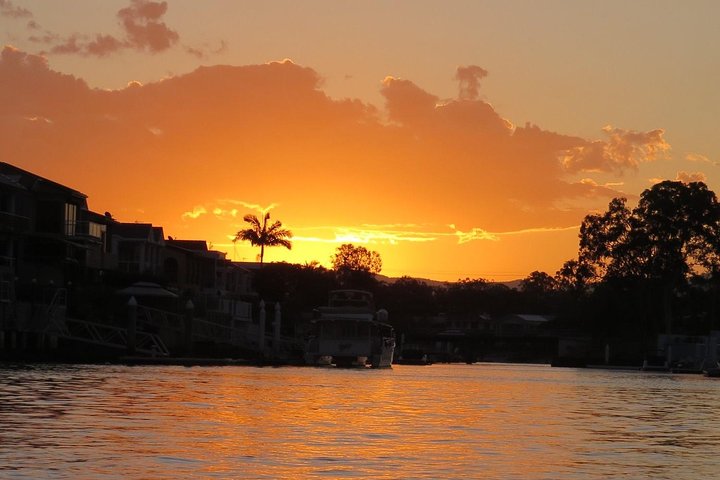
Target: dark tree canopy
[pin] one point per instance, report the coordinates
(356, 259)
(652, 255)
(604, 238)
(573, 277)
(671, 234)
(539, 283)
(677, 228)
(356, 267)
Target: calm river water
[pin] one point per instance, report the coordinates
(439, 421)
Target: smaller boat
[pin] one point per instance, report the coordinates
(712, 371)
(655, 364)
(413, 357)
(348, 332)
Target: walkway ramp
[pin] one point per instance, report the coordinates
(106, 335)
(94, 333)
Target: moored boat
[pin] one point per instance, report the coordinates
(348, 332)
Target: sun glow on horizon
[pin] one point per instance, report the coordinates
(402, 257)
(448, 164)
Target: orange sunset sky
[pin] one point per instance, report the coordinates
(458, 139)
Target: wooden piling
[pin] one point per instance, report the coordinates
(131, 325)
(276, 328)
(189, 314)
(261, 327)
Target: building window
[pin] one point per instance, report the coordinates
(70, 219)
(129, 257)
(6, 203)
(171, 268)
(4, 291)
(96, 230)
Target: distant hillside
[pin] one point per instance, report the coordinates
(514, 284)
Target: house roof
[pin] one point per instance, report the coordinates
(526, 317)
(250, 266)
(11, 181)
(35, 182)
(95, 217)
(193, 245)
(138, 231)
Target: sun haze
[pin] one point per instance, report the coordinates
(462, 140)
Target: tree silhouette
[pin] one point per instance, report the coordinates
(677, 226)
(655, 249)
(670, 234)
(356, 267)
(539, 283)
(264, 235)
(604, 241)
(573, 277)
(359, 259)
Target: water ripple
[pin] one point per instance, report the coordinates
(442, 421)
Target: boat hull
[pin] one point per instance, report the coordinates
(382, 358)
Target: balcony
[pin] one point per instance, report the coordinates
(87, 231)
(12, 223)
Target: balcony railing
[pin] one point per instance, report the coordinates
(7, 263)
(6, 291)
(11, 222)
(82, 230)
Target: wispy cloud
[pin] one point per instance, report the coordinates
(249, 205)
(8, 9)
(206, 50)
(681, 176)
(698, 158)
(142, 25)
(196, 212)
(388, 234)
(528, 231)
(36, 119)
(475, 234)
(621, 150)
(392, 237)
(143, 30)
(225, 208)
(367, 234)
(220, 212)
(689, 177)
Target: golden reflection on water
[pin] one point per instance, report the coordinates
(440, 421)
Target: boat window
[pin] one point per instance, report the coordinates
(350, 299)
(348, 329)
(363, 329)
(329, 329)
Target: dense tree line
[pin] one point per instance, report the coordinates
(654, 268)
(639, 272)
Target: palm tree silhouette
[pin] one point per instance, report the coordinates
(264, 235)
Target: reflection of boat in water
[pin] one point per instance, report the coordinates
(348, 332)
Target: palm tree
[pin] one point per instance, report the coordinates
(264, 235)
